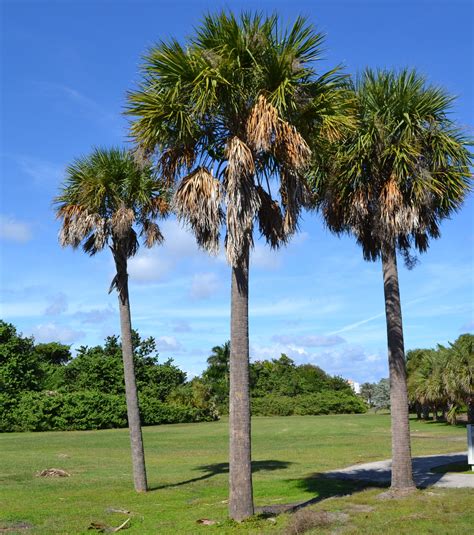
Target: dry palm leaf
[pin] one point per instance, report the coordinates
(198, 202)
(270, 219)
(291, 148)
(243, 201)
(262, 125)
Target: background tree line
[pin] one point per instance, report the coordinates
(441, 380)
(42, 387)
(281, 387)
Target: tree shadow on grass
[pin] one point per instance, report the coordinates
(322, 488)
(211, 470)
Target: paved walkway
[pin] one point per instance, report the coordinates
(380, 472)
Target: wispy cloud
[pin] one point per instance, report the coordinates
(356, 324)
(41, 171)
(12, 229)
(94, 316)
(58, 305)
(204, 285)
(348, 361)
(50, 332)
(181, 326)
(85, 105)
(308, 340)
(168, 343)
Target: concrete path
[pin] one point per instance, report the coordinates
(380, 472)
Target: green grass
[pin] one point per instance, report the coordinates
(187, 472)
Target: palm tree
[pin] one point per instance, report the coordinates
(403, 170)
(458, 374)
(228, 114)
(105, 196)
(217, 372)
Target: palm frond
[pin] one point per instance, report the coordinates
(197, 201)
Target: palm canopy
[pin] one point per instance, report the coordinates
(106, 195)
(229, 112)
(402, 170)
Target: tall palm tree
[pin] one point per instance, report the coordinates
(228, 114)
(107, 197)
(403, 170)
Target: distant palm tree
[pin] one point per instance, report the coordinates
(458, 375)
(403, 170)
(228, 114)
(217, 372)
(106, 196)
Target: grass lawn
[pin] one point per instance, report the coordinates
(187, 472)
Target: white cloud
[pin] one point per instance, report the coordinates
(51, 332)
(309, 340)
(204, 285)
(94, 316)
(168, 343)
(58, 305)
(14, 230)
(349, 361)
(149, 266)
(41, 171)
(181, 326)
(154, 265)
(357, 324)
(264, 258)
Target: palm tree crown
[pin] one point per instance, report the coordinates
(404, 169)
(223, 113)
(105, 196)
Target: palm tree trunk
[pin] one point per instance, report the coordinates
(240, 468)
(133, 411)
(402, 476)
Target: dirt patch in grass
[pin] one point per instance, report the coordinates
(12, 527)
(307, 519)
(53, 472)
(396, 494)
(359, 508)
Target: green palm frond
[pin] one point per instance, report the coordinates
(240, 80)
(104, 196)
(402, 170)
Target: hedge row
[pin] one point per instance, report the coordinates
(47, 411)
(326, 402)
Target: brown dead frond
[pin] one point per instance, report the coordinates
(198, 202)
(122, 220)
(141, 156)
(152, 233)
(397, 216)
(53, 472)
(78, 224)
(173, 159)
(270, 219)
(291, 148)
(243, 201)
(262, 125)
(159, 206)
(294, 196)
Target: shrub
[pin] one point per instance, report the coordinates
(326, 402)
(54, 411)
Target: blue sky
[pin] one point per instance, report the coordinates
(66, 66)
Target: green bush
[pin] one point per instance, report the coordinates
(54, 411)
(326, 402)
(155, 412)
